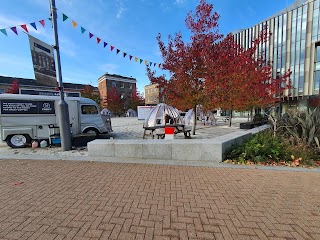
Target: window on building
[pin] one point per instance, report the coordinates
(2, 91)
(114, 84)
(155, 98)
(122, 85)
(130, 86)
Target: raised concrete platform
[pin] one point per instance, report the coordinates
(176, 149)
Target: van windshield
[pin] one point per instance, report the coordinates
(89, 109)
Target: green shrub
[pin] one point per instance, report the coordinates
(264, 148)
(261, 147)
(302, 127)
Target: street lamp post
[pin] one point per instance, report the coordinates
(62, 108)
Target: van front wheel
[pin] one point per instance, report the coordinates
(18, 141)
(91, 131)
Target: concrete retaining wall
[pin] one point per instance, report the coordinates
(176, 149)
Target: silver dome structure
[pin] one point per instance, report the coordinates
(161, 115)
(131, 113)
(189, 118)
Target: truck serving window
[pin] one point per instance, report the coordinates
(89, 109)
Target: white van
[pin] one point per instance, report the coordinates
(27, 117)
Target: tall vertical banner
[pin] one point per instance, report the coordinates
(43, 62)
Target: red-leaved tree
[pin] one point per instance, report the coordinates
(114, 102)
(240, 80)
(14, 87)
(215, 72)
(186, 61)
(135, 100)
(88, 92)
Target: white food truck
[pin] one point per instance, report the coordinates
(27, 117)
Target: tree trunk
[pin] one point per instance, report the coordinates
(230, 117)
(251, 114)
(194, 120)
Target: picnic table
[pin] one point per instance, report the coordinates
(178, 128)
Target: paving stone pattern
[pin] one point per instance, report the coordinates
(94, 200)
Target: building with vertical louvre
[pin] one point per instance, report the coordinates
(294, 44)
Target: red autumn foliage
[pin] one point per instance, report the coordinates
(243, 81)
(135, 100)
(87, 92)
(114, 102)
(186, 61)
(14, 87)
(215, 72)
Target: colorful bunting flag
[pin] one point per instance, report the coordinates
(64, 17)
(74, 24)
(14, 29)
(4, 31)
(34, 25)
(42, 23)
(24, 27)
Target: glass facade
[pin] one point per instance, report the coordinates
(293, 32)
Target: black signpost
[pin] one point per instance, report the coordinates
(62, 107)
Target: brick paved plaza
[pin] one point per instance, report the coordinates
(90, 200)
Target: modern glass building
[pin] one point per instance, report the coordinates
(295, 45)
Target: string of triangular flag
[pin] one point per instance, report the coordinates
(112, 47)
(24, 27)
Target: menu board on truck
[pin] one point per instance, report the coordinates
(26, 107)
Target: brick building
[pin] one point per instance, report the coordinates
(152, 94)
(124, 85)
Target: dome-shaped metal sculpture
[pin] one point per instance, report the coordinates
(161, 115)
(131, 113)
(189, 118)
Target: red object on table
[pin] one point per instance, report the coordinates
(169, 130)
